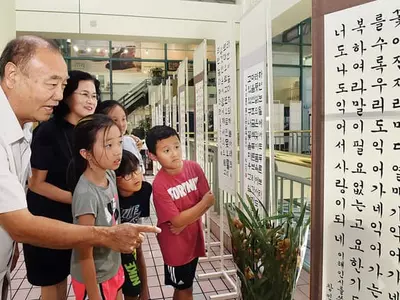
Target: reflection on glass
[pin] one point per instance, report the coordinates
(307, 98)
(286, 84)
(132, 75)
(86, 48)
(307, 56)
(136, 50)
(307, 32)
(181, 51)
(152, 51)
(285, 54)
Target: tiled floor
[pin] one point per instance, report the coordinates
(22, 290)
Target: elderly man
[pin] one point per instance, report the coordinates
(32, 78)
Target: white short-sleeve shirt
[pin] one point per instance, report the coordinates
(14, 171)
(129, 144)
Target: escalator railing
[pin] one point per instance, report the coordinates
(136, 97)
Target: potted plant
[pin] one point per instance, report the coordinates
(145, 125)
(267, 250)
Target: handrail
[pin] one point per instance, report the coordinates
(293, 141)
(297, 159)
(276, 131)
(131, 96)
(292, 191)
(291, 177)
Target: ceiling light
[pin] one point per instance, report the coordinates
(98, 50)
(89, 50)
(106, 51)
(68, 40)
(126, 51)
(76, 48)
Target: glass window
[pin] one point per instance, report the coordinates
(290, 36)
(64, 46)
(152, 51)
(179, 52)
(98, 69)
(125, 51)
(211, 74)
(286, 84)
(172, 66)
(134, 50)
(307, 56)
(307, 37)
(129, 74)
(86, 48)
(307, 98)
(211, 52)
(286, 54)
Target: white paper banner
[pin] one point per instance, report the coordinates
(254, 134)
(153, 108)
(167, 114)
(182, 105)
(161, 108)
(253, 103)
(182, 117)
(362, 147)
(167, 102)
(199, 113)
(175, 115)
(226, 122)
(201, 105)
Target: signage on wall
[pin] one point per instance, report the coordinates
(79, 66)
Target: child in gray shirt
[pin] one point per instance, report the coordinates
(96, 272)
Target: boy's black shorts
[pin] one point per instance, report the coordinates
(131, 286)
(181, 277)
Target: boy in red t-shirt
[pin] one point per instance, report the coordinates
(181, 195)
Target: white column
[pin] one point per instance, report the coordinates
(7, 22)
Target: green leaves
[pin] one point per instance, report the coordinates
(266, 249)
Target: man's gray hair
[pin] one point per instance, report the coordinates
(20, 51)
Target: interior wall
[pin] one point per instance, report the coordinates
(7, 22)
(162, 19)
(149, 18)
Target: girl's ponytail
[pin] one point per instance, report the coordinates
(76, 167)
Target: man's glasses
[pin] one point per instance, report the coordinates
(129, 176)
(88, 96)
